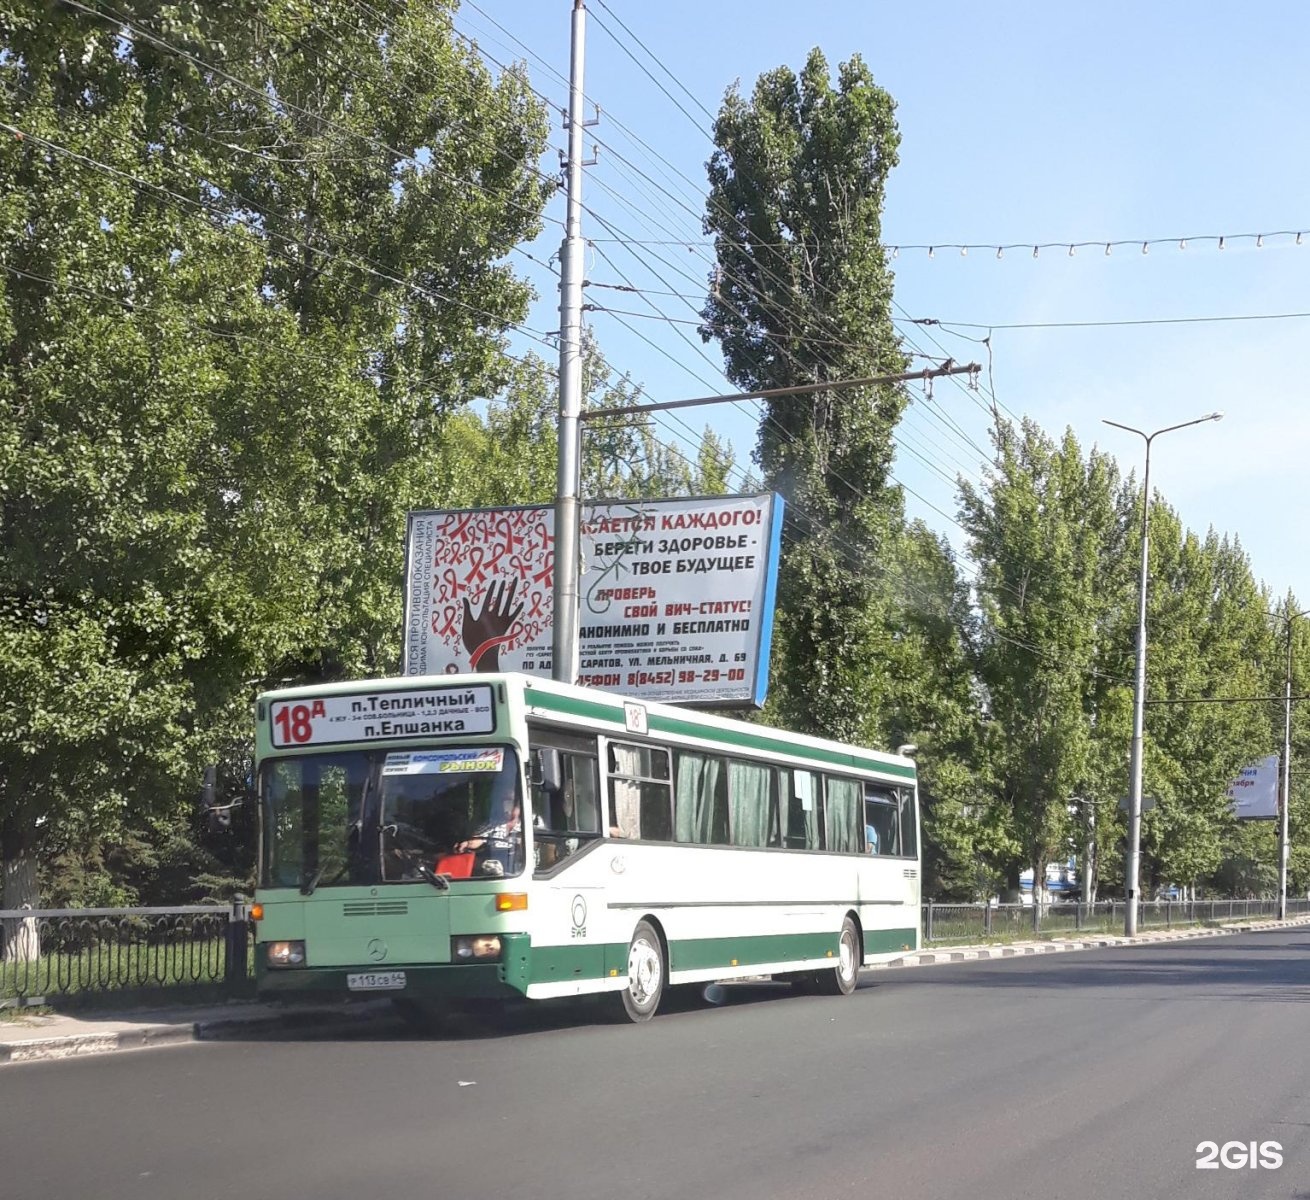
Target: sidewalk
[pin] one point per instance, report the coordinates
(61, 1035)
(64, 1035)
(1099, 941)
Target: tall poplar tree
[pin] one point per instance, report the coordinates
(802, 294)
(1038, 529)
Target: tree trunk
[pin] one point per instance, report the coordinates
(20, 938)
(1013, 891)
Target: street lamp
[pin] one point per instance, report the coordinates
(1286, 773)
(1134, 864)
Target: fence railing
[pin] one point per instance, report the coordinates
(62, 952)
(944, 923)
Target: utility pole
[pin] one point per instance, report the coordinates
(1133, 864)
(567, 567)
(1286, 797)
(1089, 854)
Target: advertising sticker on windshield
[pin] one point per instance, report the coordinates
(443, 762)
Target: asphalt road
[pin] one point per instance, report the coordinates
(1085, 1075)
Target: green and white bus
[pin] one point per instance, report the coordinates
(453, 838)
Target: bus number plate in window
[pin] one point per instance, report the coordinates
(376, 981)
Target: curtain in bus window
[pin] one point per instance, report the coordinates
(625, 810)
(843, 811)
(625, 794)
(699, 800)
(750, 794)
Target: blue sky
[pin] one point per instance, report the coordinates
(1020, 123)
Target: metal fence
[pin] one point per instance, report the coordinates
(66, 952)
(69, 952)
(944, 923)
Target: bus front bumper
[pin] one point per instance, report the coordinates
(504, 978)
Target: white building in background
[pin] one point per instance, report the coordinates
(1062, 882)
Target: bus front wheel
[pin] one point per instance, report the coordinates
(645, 974)
(841, 980)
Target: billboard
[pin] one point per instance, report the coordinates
(1254, 793)
(676, 597)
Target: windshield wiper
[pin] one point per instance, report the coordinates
(415, 857)
(307, 886)
(440, 882)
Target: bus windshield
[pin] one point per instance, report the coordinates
(369, 817)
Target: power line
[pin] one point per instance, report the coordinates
(1221, 241)
(670, 196)
(110, 16)
(291, 354)
(656, 60)
(760, 295)
(358, 264)
(948, 325)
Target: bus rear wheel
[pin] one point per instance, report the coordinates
(841, 980)
(645, 974)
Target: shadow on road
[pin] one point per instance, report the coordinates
(375, 1021)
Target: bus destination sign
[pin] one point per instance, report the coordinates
(382, 716)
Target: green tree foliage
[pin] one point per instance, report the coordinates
(1038, 530)
(1209, 637)
(802, 294)
(252, 256)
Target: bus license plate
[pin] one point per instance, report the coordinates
(376, 981)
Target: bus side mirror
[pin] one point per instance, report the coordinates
(550, 771)
(217, 817)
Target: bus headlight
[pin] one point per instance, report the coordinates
(475, 946)
(285, 954)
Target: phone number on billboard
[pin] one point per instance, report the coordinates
(663, 678)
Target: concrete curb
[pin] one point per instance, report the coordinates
(147, 1037)
(79, 1044)
(332, 1021)
(954, 954)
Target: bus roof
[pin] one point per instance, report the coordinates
(615, 713)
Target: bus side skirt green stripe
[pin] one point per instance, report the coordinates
(554, 964)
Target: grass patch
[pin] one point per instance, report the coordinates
(19, 1015)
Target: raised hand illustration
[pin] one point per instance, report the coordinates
(488, 630)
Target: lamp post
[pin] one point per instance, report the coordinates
(1285, 776)
(1133, 867)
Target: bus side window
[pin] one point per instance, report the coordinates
(801, 801)
(581, 775)
(909, 826)
(641, 799)
(881, 824)
(700, 799)
(752, 804)
(842, 815)
(566, 814)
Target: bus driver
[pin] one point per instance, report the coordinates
(501, 840)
